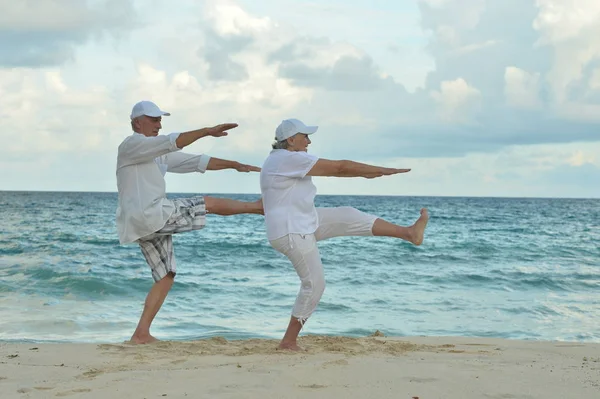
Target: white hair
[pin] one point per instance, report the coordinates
(280, 145)
(133, 123)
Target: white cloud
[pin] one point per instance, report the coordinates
(462, 15)
(476, 46)
(49, 116)
(489, 90)
(457, 101)
(228, 18)
(560, 20)
(522, 88)
(45, 32)
(435, 3)
(54, 82)
(579, 112)
(572, 29)
(581, 157)
(32, 15)
(193, 104)
(595, 79)
(516, 171)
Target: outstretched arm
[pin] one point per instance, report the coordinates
(181, 162)
(219, 164)
(344, 168)
(188, 138)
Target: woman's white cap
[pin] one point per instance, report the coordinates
(289, 127)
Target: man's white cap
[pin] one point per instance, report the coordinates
(289, 127)
(147, 108)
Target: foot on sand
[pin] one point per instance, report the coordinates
(290, 347)
(418, 229)
(142, 339)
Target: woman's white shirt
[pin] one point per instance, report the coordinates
(288, 193)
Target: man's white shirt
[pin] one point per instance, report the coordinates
(142, 163)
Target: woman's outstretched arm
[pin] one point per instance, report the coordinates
(345, 168)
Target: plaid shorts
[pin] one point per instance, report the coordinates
(189, 215)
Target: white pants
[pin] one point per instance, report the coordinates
(302, 251)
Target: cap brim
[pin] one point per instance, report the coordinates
(309, 129)
(161, 113)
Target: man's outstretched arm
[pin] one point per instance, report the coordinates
(188, 138)
(219, 164)
(181, 162)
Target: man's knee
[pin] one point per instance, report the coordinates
(167, 280)
(209, 204)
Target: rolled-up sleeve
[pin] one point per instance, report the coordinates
(138, 148)
(173, 138)
(181, 162)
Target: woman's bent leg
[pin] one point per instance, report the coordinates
(303, 252)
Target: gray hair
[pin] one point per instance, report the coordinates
(133, 123)
(280, 145)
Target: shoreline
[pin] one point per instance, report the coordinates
(450, 367)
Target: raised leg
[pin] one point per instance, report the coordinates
(228, 207)
(413, 234)
(348, 221)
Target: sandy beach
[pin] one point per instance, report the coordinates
(332, 367)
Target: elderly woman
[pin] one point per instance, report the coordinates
(294, 225)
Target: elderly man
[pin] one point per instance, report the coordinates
(145, 215)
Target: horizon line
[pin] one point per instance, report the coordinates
(322, 194)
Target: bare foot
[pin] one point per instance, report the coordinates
(290, 347)
(418, 229)
(142, 339)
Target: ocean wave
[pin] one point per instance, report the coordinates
(495, 267)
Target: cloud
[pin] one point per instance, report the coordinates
(321, 63)
(522, 89)
(571, 181)
(571, 29)
(561, 20)
(36, 33)
(43, 115)
(580, 158)
(221, 64)
(348, 73)
(456, 101)
(528, 94)
(489, 89)
(229, 30)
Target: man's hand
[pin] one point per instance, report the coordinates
(221, 130)
(187, 138)
(246, 168)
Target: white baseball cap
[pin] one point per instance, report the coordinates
(147, 108)
(289, 127)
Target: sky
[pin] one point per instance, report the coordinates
(477, 97)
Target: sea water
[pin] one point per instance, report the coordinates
(519, 268)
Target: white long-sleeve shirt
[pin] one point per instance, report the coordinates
(142, 163)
